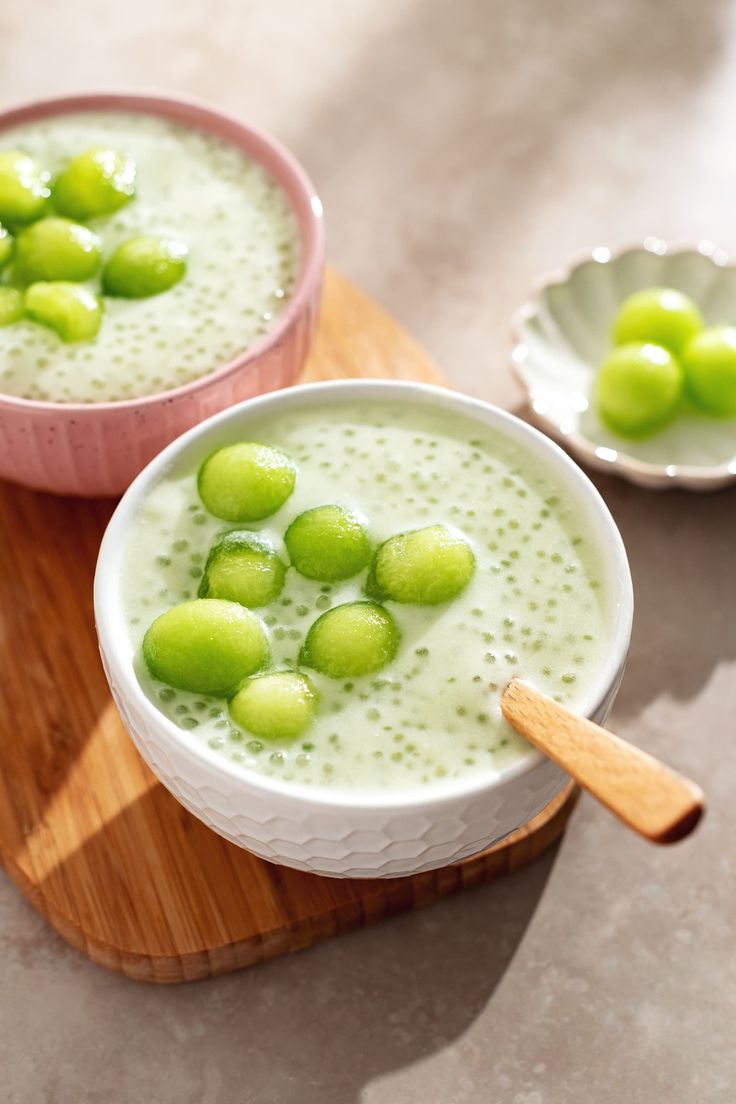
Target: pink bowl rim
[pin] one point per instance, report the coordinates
(204, 116)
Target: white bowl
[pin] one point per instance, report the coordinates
(564, 333)
(327, 831)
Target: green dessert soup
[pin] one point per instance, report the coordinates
(403, 565)
(136, 255)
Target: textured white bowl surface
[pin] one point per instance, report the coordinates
(324, 830)
(563, 333)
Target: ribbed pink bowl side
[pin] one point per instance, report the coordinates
(98, 449)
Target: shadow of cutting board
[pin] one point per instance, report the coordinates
(116, 865)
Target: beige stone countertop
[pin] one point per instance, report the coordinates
(461, 147)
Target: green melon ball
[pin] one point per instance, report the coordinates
(56, 249)
(98, 182)
(638, 389)
(143, 267)
(246, 482)
(662, 316)
(351, 640)
(243, 567)
(328, 543)
(11, 306)
(710, 371)
(6, 247)
(73, 311)
(24, 188)
(277, 706)
(422, 567)
(207, 646)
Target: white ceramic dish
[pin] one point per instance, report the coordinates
(563, 333)
(323, 830)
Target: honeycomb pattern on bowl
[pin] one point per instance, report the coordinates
(315, 835)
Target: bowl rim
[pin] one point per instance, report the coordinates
(197, 114)
(604, 458)
(114, 641)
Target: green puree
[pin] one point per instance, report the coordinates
(534, 604)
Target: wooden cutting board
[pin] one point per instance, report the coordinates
(116, 865)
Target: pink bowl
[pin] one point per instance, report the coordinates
(97, 449)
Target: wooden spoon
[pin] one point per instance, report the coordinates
(655, 801)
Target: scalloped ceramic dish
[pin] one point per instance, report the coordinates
(563, 334)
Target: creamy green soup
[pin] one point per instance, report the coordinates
(242, 238)
(536, 605)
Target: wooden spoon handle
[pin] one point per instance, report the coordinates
(646, 795)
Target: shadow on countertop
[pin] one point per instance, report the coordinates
(314, 1026)
(528, 77)
(680, 546)
(681, 551)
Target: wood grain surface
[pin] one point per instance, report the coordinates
(118, 867)
(646, 795)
